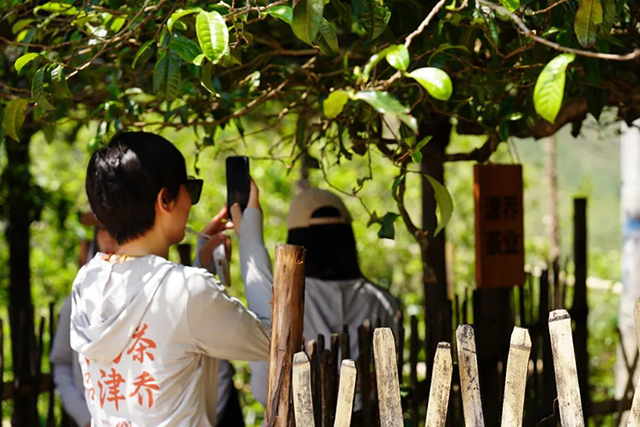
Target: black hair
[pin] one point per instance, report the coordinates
(331, 248)
(125, 177)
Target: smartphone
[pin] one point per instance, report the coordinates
(238, 182)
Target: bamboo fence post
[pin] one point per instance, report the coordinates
(516, 378)
(335, 372)
(326, 385)
(564, 364)
(314, 357)
(346, 392)
(469, 380)
(286, 332)
(384, 350)
(301, 383)
(634, 415)
(440, 386)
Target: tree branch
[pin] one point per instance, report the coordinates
(532, 35)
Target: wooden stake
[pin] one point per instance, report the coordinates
(469, 380)
(440, 386)
(346, 392)
(516, 379)
(301, 382)
(634, 415)
(286, 331)
(384, 352)
(564, 364)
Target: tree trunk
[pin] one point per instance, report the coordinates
(17, 179)
(436, 303)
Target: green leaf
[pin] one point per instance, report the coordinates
(549, 89)
(213, 35)
(166, 76)
(185, 48)
(587, 22)
(179, 14)
(373, 15)
(608, 16)
(59, 83)
(398, 57)
(307, 18)
(205, 80)
(416, 157)
(371, 63)
(511, 5)
(328, 39)
(387, 228)
(396, 184)
(335, 102)
(37, 90)
(384, 103)
(435, 81)
(57, 7)
(143, 54)
(420, 145)
(24, 60)
(343, 9)
(443, 201)
(21, 25)
(282, 12)
(117, 24)
(13, 117)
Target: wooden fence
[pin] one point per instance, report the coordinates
(327, 398)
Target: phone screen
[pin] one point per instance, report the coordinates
(238, 182)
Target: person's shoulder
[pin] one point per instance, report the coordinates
(197, 279)
(378, 292)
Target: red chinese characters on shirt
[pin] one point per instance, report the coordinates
(145, 382)
(141, 345)
(109, 386)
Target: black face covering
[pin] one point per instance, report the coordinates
(331, 249)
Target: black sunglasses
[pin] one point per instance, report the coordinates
(194, 188)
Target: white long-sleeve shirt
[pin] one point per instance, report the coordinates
(67, 374)
(149, 334)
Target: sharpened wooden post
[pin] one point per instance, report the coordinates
(564, 365)
(634, 415)
(301, 382)
(516, 380)
(469, 379)
(440, 386)
(384, 352)
(287, 309)
(346, 392)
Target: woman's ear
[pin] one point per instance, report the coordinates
(164, 203)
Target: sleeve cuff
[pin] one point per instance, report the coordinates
(251, 227)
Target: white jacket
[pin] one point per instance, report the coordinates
(149, 334)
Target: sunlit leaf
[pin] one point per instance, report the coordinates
(443, 201)
(24, 60)
(435, 81)
(587, 22)
(205, 80)
(307, 18)
(57, 7)
(511, 5)
(549, 89)
(282, 12)
(398, 57)
(179, 14)
(20, 25)
(385, 103)
(13, 117)
(213, 35)
(334, 104)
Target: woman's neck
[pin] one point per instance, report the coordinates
(147, 244)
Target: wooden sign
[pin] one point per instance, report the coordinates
(499, 226)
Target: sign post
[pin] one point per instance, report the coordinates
(499, 226)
